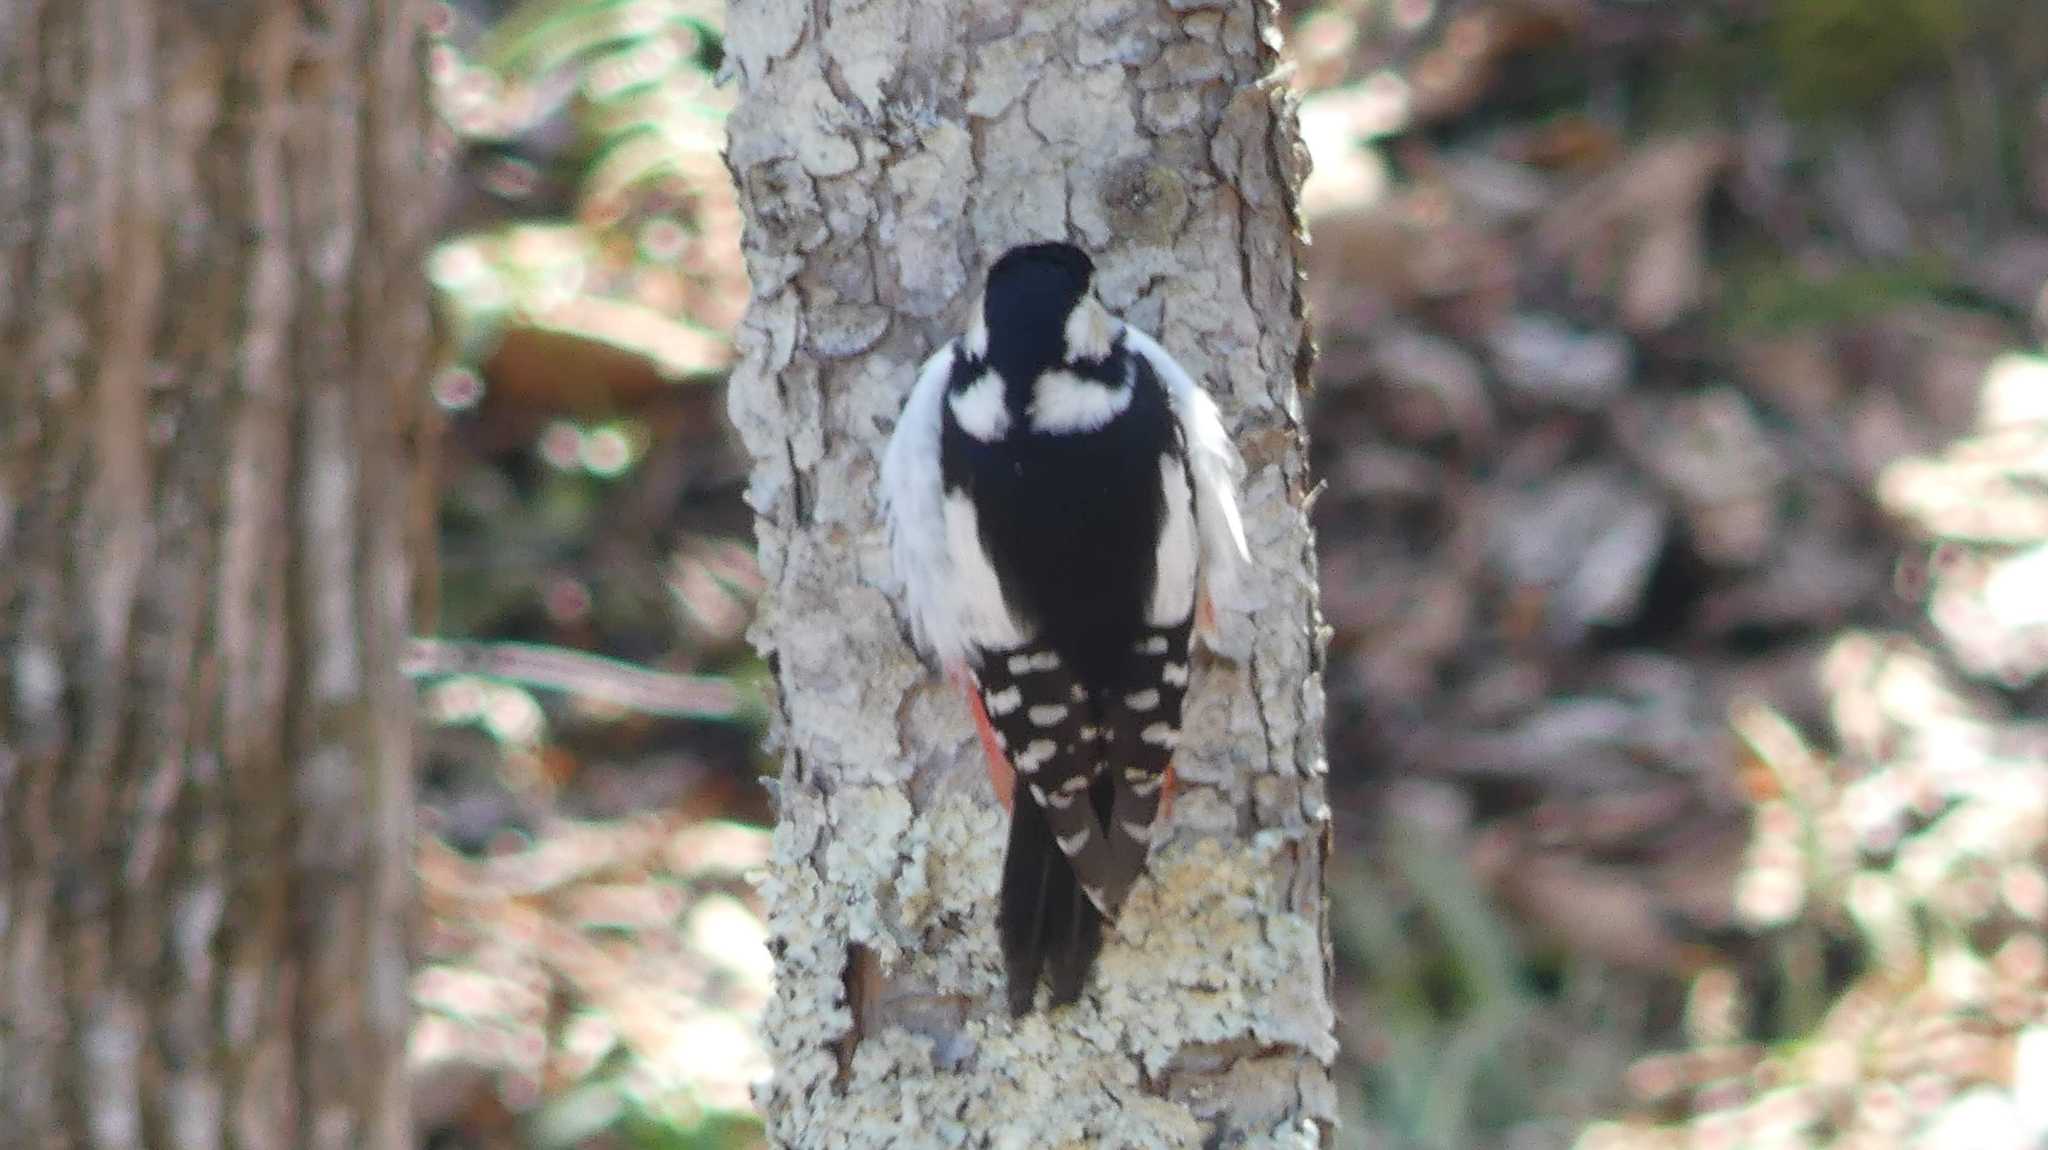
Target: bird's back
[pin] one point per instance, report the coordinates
(1075, 521)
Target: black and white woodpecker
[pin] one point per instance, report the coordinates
(1062, 510)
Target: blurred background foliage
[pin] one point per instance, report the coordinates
(594, 958)
(1685, 538)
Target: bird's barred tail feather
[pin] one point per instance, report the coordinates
(1140, 731)
(1047, 927)
(1044, 721)
(1090, 767)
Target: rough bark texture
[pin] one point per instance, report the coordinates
(886, 150)
(213, 333)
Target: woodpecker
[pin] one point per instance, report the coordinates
(1062, 512)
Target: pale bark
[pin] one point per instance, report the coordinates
(213, 333)
(885, 151)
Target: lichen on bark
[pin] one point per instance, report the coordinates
(885, 151)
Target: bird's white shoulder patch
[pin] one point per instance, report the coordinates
(979, 408)
(1064, 403)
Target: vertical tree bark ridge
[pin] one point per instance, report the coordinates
(214, 332)
(885, 151)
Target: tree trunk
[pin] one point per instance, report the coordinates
(213, 331)
(886, 151)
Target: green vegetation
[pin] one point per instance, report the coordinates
(1840, 57)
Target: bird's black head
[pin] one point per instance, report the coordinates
(1055, 261)
(1031, 291)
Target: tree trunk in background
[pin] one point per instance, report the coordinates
(213, 334)
(885, 153)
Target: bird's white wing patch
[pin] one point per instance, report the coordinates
(980, 616)
(914, 507)
(1213, 461)
(950, 591)
(1177, 558)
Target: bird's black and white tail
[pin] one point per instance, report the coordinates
(1090, 771)
(1048, 927)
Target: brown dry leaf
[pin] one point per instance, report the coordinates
(1798, 372)
(1588, 537)
(1456, 73)
(1598, 912)
(636, 936)
(1641, 226)
(1568, 144)
(1413, 252)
